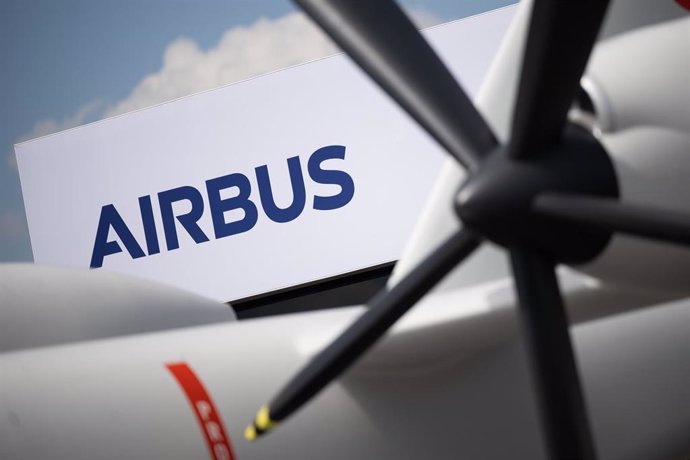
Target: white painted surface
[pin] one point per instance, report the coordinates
(644, 113)
(42, 306)
(450, 381)
(68, 177)
(641, 78)
(495, 102)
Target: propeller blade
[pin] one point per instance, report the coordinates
(385, 309)
(612, 215)
(554, 371)
(561, 36)
(380, 38)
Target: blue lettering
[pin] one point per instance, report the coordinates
(188, 221)
(299, 194)
(102, 247)
(326, 176)
(110, 218)
(149, 225)
(241, 201)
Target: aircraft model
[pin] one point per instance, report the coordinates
(561, 163)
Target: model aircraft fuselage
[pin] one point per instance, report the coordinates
(96, 365)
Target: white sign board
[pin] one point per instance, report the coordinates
(288, 178)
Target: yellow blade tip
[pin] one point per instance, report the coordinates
(250, 433)
(263, 419)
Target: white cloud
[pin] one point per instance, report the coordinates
(241, 53)
(88, 112)
(85, 113)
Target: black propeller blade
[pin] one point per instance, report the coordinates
(379, 37)
(385, 309)
(545, 325)
(612, 215)
(382, 40)
(561, 36)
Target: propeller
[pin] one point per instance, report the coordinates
(384, 42)
(544, 320)
(543, 155)
(384, 310)
(560, 39)
(612, 215)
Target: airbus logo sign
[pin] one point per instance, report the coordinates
(303, 174)
(110, 219)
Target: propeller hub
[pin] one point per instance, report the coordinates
(496, 201)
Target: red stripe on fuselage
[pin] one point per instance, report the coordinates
(209, 420)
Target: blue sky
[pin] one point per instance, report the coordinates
(71, 62)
